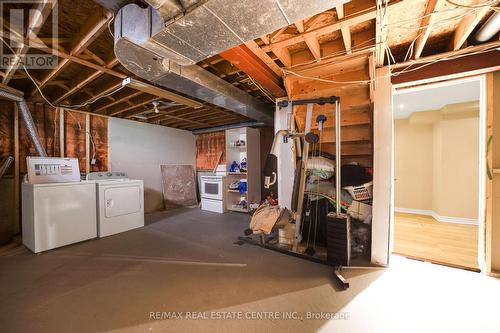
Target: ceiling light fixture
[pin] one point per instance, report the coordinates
(155, 106)
(401, 106)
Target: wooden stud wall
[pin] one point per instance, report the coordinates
(208, 149)
(355, 101)
(47, 124)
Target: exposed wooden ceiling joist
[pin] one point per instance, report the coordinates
(426, 27)
(118, 101)
(346, 30)
(369, 12)
(80, 84)
(36, 21)
(90, 30)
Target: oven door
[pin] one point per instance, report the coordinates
(212, 189)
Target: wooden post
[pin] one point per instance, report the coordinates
(61, 132)
(382, 167)
(17, 184)
(87, 143)
(489, 174)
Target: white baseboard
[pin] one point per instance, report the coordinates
(413, 211)
(440, 218)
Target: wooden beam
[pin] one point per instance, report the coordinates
(346, 30)
(483, 62)
(371, 70)
(118, 101)
(313, 45)
(87, 143)
(64, 55)
(245, 60)
(264, 57)
(61, 132)
(130, 114)
(467, 25)
(93, 56)
(35, 23)
(103, 92)
(425, 27)
(311, 42)
(363, 15)
(159, 117)
(380, 34)
(17, 181)
(300, 26)
(79, 85)
(89, 32)
(283, 55)
(195, 122)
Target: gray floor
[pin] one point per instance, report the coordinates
(185, 261)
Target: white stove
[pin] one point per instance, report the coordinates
(213, 193)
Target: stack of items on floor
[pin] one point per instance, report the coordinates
(356, 201)
(319, 201)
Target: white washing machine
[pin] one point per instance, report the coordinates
(58, 209)
(120, 202)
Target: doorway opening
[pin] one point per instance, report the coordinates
(438, 168)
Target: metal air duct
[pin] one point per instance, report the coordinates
(5, 165)
(163, 42)
(28, 120)
(489, 29)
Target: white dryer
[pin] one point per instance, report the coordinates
(120, 202)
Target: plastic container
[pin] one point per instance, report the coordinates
(360, 192)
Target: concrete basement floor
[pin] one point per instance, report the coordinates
(185, 261)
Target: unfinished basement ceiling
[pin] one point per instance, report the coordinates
(90, 70)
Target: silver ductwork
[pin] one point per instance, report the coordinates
(28, 120)
(226, 127)
(489, 29)
(194, 30)
(163, 42)
(5, 165)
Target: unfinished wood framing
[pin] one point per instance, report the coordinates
(425, 26)
(17, 179)
(355, 28)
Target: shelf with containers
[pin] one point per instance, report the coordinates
(243, 145)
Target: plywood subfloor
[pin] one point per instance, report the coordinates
(422, 237)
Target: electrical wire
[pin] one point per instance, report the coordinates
(109, 26)
(358, 48)
(91, 137)
(479, 5)
(262, 89)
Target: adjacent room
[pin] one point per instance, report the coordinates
(232, 165)
(436, 173)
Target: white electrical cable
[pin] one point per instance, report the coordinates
(70, 106)
(109, 26)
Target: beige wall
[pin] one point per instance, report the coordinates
(139, 150)
(456, 165)
(437, 161)
(413, 165)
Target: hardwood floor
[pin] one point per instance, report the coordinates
(422, 237)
